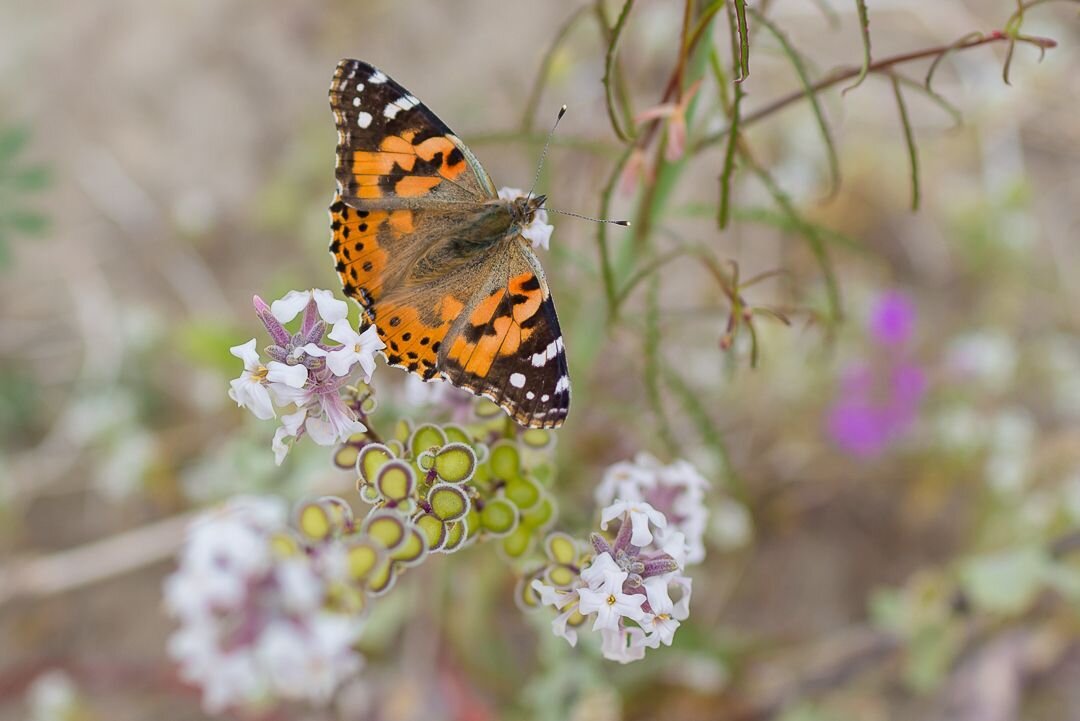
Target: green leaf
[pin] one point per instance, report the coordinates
(1005, 582)
(541, 515)
(909, 141)
(808, 231)
(448, 502)
(455, 463)
(625, 135)
(372, 457)
(426, 437)
(864, 32)
(386, 527)
(517, 543)
(811, 96)
(561, 548)
(362, 558)
(728, 171)
(522, 493)
(433, 529)
(744, 40)
(499, 517)
(12, 141)
(27, 222)
(31, 179)
(395, 480)
(412, 550)
(455, 536)
(314, 521)
(505, 461)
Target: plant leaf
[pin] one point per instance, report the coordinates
(909, 140)
(864, 31)
(811, 96)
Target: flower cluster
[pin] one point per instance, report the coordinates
(676, 491)
(879, 398)
(306, 372)
(626, 586)
(257, 609)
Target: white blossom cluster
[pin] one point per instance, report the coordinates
(677, 491)
(305, 373)
(253, 622)
(634, 590)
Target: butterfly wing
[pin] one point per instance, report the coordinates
(392, 149)
(485, 322)
(507, 344)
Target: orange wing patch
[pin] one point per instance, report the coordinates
(360, 259)
(397, 157)
(412, 341)
(498, 325)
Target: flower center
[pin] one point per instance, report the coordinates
(260, 373)
(611, 600)
(356, 348)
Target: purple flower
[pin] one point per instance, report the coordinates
(892, 319)
(871, 413)
(879, 398)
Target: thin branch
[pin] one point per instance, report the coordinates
(93, 562)
(848, 73)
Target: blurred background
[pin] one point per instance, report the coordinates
(905, 481)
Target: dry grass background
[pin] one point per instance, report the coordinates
(191, 147)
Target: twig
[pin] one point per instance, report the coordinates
(70, 570)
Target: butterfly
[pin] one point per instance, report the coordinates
(435, 258)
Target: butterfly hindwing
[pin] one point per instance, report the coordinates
(507, 345)
(392, 147)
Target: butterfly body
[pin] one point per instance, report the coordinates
(436, 259)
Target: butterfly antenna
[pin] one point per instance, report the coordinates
(540, 166)
(543, 153)
(623, 223)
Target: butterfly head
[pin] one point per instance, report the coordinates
(524, 209)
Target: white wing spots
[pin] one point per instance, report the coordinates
(545, 398)
(563, 384)
(359, 87)
(407, 102)
(530, 395)
(356, 102)
(391, 111)
(377, 78)
(553, 349)
(517, 380)
(363, 119)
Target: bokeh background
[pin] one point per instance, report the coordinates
(162, 162)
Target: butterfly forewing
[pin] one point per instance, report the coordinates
(391, 146)
(447, 300)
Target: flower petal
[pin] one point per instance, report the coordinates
(293, 376)
(315, 351)
(290, 306)
(341, 361)
(330, 308)
(247, 353)
(343, 333)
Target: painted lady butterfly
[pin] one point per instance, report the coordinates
(436, 260)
